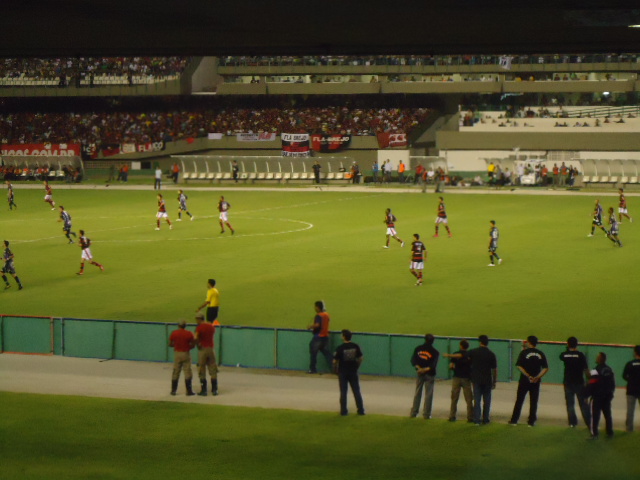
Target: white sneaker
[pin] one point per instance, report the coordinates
(499, 261)
(192, 218)
(178, 219)
(170, 227)
(491, 265)
(386, 246)
(157, 228)
(402, 244)
(590, 235)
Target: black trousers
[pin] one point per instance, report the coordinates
(533, 389)
(601, 406)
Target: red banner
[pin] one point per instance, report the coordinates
(390, 140)
(295, 145)
(330, 143)
(43, 149)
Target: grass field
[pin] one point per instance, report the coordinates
(45, 437)
(292, 248)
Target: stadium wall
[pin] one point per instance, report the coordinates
(256, 347)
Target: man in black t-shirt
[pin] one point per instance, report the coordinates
(631, 374)
(533, 365)
(346, 361)
(461, 366)
(575, 369)
(483, 375)
(424, 360)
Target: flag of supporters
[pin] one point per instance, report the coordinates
(505, 62)
(89, 151)
(215, 136)
(390, 140)
(295, 145)
(255, 137)
(110, 149)
(330, 143)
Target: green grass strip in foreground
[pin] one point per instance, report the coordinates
(60, 437)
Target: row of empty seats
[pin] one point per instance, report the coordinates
(610, 171)
(278, 176)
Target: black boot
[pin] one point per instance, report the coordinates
(174, 387)
(214, 386)
(203, 391)
(187, 384)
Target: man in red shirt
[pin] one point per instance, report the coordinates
(320, 340)
(182, 341)
(206, 355)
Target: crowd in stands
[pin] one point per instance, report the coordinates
(66, 70)
(500, 60)
(27, 170)
(120, 121)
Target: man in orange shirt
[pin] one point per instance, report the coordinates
(206, 355)
(175, 172)
(182, 341)
(401, 169)
(320, 340)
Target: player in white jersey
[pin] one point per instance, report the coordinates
(182, 206)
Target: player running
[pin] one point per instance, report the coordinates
(10, 196)
(66, 227)
(442, 218)
(418, 255)
(8, 267)
(85, 244)
(597, 220)
(622, 207)
(494, 235)
(182, 206)
(162, 213)
(615, 228)
(390, 220)
(223, 208)
(49, 195)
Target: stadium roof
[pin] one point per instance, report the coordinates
(276, 27)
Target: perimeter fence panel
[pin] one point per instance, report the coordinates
(141, 341)
(617, 358)
(401, 349)
(57, 336)
(375, 351)
(88, 338)
(27, 334)
(248, 347)
(293, 349)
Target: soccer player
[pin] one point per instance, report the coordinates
(597, 220)
(615, 228)
(223, 208)
(442, 217)
(85, 244)
(494, 235)
(390, 220)
(49, 195)
(418, 254)
(66, 227)
(162, 213)
(8, 267)
(182, 202)
(10, 196)
(622, 207)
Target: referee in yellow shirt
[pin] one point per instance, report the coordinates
(213, 301)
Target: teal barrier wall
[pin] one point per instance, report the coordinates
(384, 354)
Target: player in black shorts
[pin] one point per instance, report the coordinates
(615, 228)
(8, 267)
(597, 220)
(66, 227)
(10, 196)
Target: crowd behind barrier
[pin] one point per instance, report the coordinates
(87, 71)
(168, 121)
(442, 60)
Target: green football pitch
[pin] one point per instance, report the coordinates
(51, 437)
(293, 248)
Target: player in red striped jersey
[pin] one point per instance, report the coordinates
(622, 207)
(162, 213)
(85, 244)
(418, 255)
(49, 195)
(390, 220)
(442, 217)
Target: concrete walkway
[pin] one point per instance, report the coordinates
(258, 388)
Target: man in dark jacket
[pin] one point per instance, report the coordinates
(631, 374)
(424, 360)
(601, 388)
